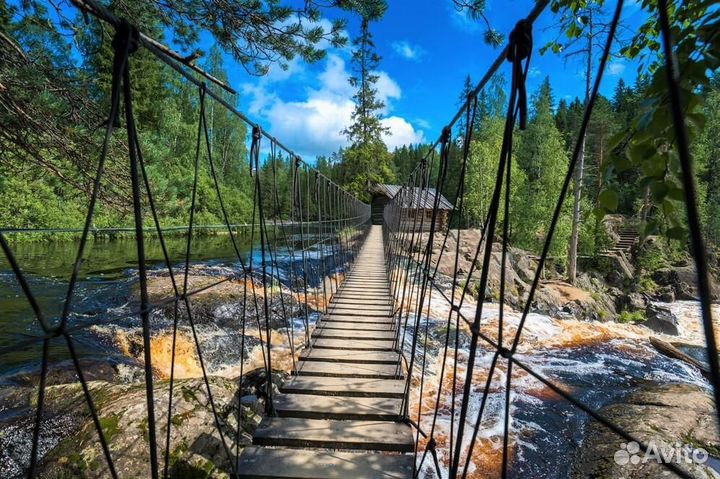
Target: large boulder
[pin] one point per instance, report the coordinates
(661, 416)
(196, 444)
(69, 445)
(682, 278)
(661, 320)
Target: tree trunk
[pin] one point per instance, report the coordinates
(577, 194)
(580, 168)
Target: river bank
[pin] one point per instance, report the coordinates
(606, 363)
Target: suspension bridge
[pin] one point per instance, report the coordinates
(347, 393)
(356, 403)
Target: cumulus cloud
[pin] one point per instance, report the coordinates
(408, 51)
(312, 126)
(401, 132)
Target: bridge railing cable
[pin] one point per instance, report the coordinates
(288, 259)
(417, 242)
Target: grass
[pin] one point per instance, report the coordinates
(627, 317)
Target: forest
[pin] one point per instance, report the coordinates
(54, 93)
(289, 322)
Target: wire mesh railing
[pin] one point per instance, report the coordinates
(301, 233)
(464, 362)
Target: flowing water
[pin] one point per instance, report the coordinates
(600, 363)
(106, 293)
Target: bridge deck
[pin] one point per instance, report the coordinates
(339, 417)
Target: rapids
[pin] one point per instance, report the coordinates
(598, 363)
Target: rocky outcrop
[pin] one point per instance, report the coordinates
(196, 444)
(681, 277)
(587, 301)
(659, 415)
(661, 320)
(225, 300)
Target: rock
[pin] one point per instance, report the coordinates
(659, 415)
(635, 302)
(666, 294)
(661, 320)
(683, 280)
(196, 444)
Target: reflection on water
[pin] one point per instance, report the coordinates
(105, 290)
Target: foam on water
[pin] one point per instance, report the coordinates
(599, 363)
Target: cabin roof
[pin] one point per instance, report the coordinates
(412, 197)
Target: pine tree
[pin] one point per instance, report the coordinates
(366, 127)
(586, 28)
(541, 154)
(366, 160)
(707, 152)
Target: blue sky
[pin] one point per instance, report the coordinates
(427, 49)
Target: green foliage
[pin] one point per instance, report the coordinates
(364, 165)
(366, 127)
(633, 317)
(482, 172)
(48, 181)
(366, 160)
(647, 147)
(541, 155)
(36, 203)
(707, 153)
(476, 11)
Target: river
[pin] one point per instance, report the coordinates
(601, 363)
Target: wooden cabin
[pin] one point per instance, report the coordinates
(415, 203)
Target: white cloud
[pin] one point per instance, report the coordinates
(387, 90)
(534, 72)
(422, 123)
(261, 98)
(408, 51)
(401, 132)
(334, 79)
(616, 68)
(312, 126)
(277, 74)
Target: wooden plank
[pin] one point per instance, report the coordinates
(357, 310)
(263, 463)
(300, 432)
(346, 370)
(358, 344)
(349, 301)
(375, 298)
(350, 387)
(334, 407)
(351, 356)
(350, 334)
(359, 313)
(355, 326)
(364, 287)
(366, 277)
(344, 318)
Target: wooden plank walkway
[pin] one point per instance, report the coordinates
(339, 416)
